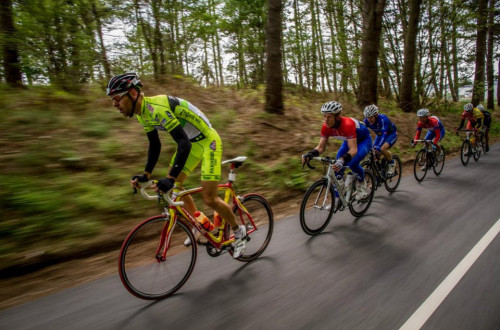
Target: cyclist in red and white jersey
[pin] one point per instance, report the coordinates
(435, 129)
(357, 141)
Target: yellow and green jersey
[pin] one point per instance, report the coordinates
(164, 112)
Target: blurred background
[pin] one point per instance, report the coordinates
(67, 155)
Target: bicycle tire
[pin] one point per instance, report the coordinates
(314, 218)
(483, 143)
(392, 182)
(259, 222)
(465, 152)
(142, 273)
(365, 202)
(477, 151)
(367, 165)
(439, 165)
(420, 161)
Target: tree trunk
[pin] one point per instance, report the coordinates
(342, 44)
(11, 62)
(498, 84)
(478, 89)
(314, 60)
(490, 104)
(274, 75)
(373, 11)
(330, 9)
(104, 56)
(406, 101)
(298, 43)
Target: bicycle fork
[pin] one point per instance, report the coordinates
(166, 234)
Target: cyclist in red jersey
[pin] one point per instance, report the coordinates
(357, 141)
(435, 129)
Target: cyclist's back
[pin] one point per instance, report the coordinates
(165, 112)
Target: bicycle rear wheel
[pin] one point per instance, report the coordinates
(143, 271)
(317, 207)
(465, 152)
(477, 151)
(392, 180)
(482, 142)
(361, 201)
(420, 165)
(259, 222)
(439, 163)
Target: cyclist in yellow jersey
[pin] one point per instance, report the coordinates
(474, 116)
(196, 142)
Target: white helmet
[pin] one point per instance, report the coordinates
(370, 110)
(468, 107)
(480, 107)
(422, 113)
(331, 107)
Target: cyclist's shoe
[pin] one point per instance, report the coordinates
(361, 190)
(240, 241)
(440, 157)
(197, 236)
(423, 168)
(391, 167)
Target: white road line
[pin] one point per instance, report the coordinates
(422, 314)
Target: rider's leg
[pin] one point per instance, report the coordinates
(385, 151)
(213, 201)
(188, 200)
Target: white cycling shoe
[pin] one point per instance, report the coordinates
(240, 242)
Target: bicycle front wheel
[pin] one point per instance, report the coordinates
(392, 180)
(144, 271)
(439, 164)
(317, 207)
(420, 165)
(465, 152)
(368, 166)
(362, 199)
(259, 222)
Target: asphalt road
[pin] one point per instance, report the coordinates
(371, 273)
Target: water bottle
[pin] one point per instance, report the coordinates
(340, 179)
(205, 222)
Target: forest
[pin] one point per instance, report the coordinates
(413, 51)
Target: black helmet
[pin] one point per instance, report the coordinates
(123, 83)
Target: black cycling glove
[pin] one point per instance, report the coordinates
(141, 177)
(310, 155)
(165, 184)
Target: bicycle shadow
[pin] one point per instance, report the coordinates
(128, 320)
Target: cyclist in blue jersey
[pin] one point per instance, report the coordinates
(386, 132)
(357, 141)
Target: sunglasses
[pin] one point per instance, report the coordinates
(118, 97)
